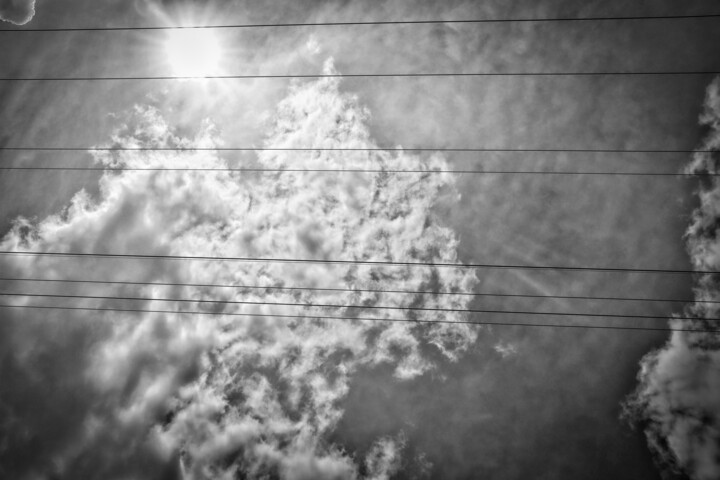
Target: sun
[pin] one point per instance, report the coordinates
(193, 52)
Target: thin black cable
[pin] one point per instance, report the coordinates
(357, 262)
(364, 319)
(355, 290)
(360, 307)
(386, 22)
(357, 170)
(360, 75)
(371, 149)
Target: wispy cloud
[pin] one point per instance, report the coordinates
(678, 400)
(217, 395)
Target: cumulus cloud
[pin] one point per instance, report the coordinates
(109, 394)
(678, 399)
(18, 12)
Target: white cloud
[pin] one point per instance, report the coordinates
(678, 400)
(18, 12)
(217, 395)
(506, 349)
(384, 458)
(313, 46)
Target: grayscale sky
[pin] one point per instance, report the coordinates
(135, 388)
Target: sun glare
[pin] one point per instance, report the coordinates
(193, 53)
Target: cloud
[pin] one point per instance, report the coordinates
(18, 12)
(677, 399)
(167, 395)
(506, 349)
(312, 45)
(383, 459)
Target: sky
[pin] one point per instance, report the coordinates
(158, 368)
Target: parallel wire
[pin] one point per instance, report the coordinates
(341, 149)
(359, 307)
(365, 319)
(358, 262)
(353, 290)
(361, 170)
(417, 171)
(386, 22)
(362, 75)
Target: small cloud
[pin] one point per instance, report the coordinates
(383, 459)
(312, 45)
(424, 465)
(18, 12)
(506, 349)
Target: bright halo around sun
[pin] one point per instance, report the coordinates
(193, 52)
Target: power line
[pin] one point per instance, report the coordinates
(371, 149)
(360, 307)
(355, 290)
(362, 75)
(357, 262)
(360, 170)
(387, 22)
(365, 319)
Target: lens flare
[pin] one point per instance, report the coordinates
(193, 53)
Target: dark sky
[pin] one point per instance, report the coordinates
(94, 395)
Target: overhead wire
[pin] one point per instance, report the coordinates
(368, 23)
(352, 170)
(352, 149)
(367, 319)
(444, 74)
(352, 290)
(362, 75)
(358, 262)
(352, 306)
(360, 170)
